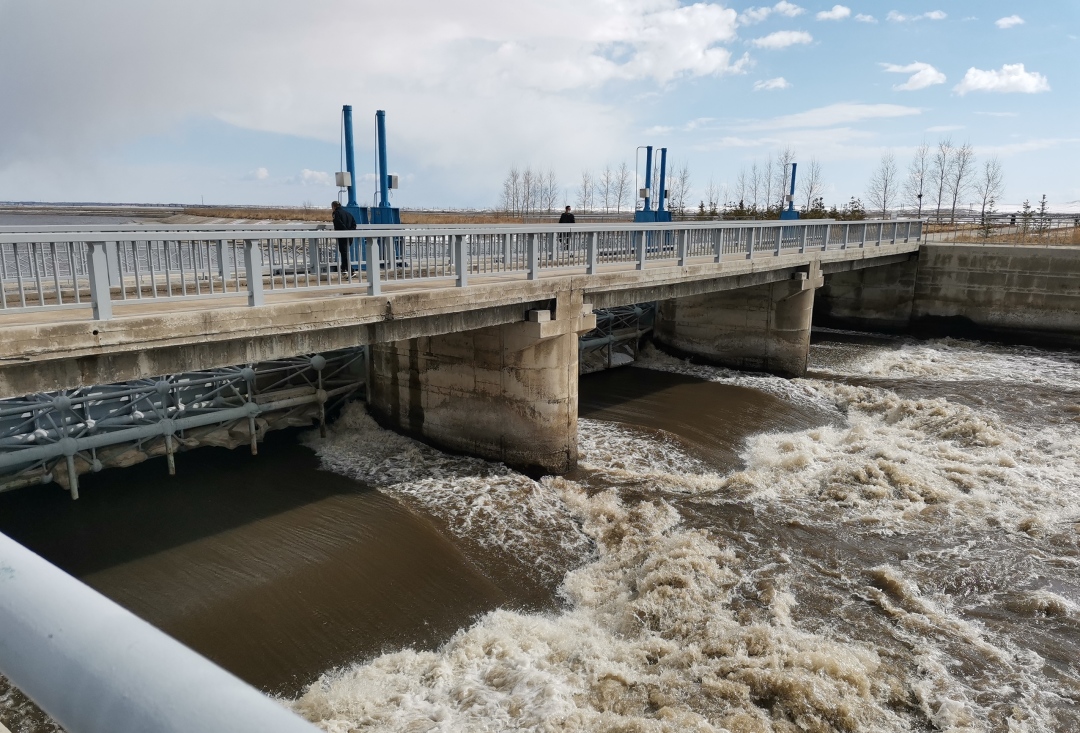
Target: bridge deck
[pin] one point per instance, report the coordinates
(55, 348)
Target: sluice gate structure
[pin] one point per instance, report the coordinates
(472, 335)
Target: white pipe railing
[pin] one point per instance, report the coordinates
(97, 269)
(95, 667)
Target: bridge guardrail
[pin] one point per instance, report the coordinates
(95, 270)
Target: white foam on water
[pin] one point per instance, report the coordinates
(483, 501)
(649, 643)
(657, 633)
(650, 460)
(960, 360)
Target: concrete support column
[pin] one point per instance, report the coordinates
(763, 328)
(506, 393)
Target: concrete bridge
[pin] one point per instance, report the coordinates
(472, 332)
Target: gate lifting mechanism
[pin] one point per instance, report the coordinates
(789, 212)
(381, 212)
(647, 213)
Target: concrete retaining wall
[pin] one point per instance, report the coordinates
(1015, 292)
(1005, 292)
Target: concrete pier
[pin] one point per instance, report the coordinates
(763, 328)
(506, 393)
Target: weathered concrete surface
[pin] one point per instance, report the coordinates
(878, 298)
(1015, 292)
(763, 328)
(151, 339)
(507, 393)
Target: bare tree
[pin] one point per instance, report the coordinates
(606, 187)
(881, 191)
(742, 186)
(918, 171)
(585, 192)
(991, 185)
(550, 191)
(511, 193)
(941, 171)
(784, 158)
(962, 171)
(767, 181)
(755, 185)
(680, 187)
(528, 191)
(811, 183)
(712, 194)
(623, 182)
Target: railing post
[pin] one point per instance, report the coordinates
(684, 246)
(374, 286)
(780, 239)
(253, 271)
(641, 251)
(847, 231)
(907, 231)
(750, 243)
(508, 238)
(591, 256)
(112, 262)
(825, 242)
(533, 245)
(718, 244)
(98, 269)
(805, 234)
(462, 261)
(223, 257)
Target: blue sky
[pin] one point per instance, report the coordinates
(239, 102)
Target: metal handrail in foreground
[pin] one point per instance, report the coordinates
(97, 269)
(97, 668)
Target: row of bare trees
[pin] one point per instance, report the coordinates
(761, 188)
(943, 176)
(530, 191)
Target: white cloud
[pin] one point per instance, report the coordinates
(999, 114)
(768, 85)
(533, 80)
(922, 76)
(756, 15)
(783, 39)
(896, 17)
(864, 18)
(838, 12)
(317, 178)
(1010, 78)
(843, 113)
(1009, 21)
(944, 128)
(259, 174)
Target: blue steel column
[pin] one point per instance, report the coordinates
(648, 176)
(350, 165)
(663, 175)
(384, 181)
(791, 204)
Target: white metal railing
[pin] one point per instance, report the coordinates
(97, 269)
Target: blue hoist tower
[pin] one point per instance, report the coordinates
(647, 212)
(789, 212)
(381, 212)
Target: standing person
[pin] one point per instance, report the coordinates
(566, 218)
(343, 220)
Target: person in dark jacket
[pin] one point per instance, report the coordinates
(343, 220)
(567, 217)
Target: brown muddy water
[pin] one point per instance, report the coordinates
(889, 544)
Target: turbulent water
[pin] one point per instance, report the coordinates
(908, 560)
(890, 544)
